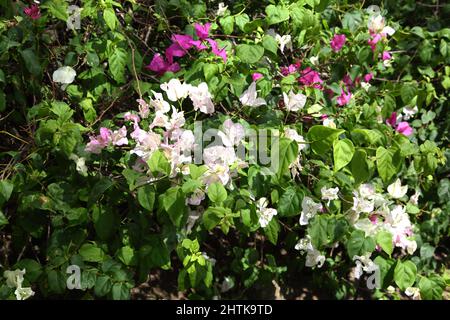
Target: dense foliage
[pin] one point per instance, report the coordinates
(99, 128)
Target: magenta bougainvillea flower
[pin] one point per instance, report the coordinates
(368, 77)
(402, 127)
(386, 55)
(33, 11)
(338, 42)
(256, 76)
(285, 71)
(161, 66)
(202, 31)
(344, 98)
(374, 40)
(309, 77)
(215, 49)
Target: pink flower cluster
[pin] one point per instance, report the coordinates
(181, 44)
(401, 127)
(106, 138)
(33, 11)
(338, 42)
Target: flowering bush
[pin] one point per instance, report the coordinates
(234, 146)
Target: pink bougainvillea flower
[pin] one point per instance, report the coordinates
(256, 76)
(309, 77)
(368, 77)
(202, 31)
(374, 40)
(348, 81)
(392, 120)
(386, 55)
(33, 11)
(285, 71)
(161, 66)
(344, 98)
(199, 45)
(183, 40)
(96, 144)
(338, 42)
(215, 49)
(404, 128)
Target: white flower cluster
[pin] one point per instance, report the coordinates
(14, 279)
(373, 212)
(313, 256)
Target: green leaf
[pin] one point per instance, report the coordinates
(386, 267)
(121, 291)
(91, 253)
(431, 288)
(359, 245)
(408, 92)
(127, 256)
(217, 193)
(270, 44)
(343, 151)
(117, 62)
(405, 274)
(359, 167)
(322, 138)
(99, 189)
(271, 231)
(290, 202)
(249, 53)
(227, 24)
(146, 197)
(110, 18)
(3, 220)
(6, 189)
(57, 8)
(174, 203)
(241, 20)
(102, 286)
(384, 240)
(385, 163)
(276, 14)
(31, 62)
(158, 163)
(287, 153)
(105, 221)
(56, 282)
(213, 216)
(318, 229)
(32, 267)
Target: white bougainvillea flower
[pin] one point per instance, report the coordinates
(329, 122)
(201, 98)
(233, 133)
(294, 102)
(293, 135)
(80, 163)
(365, 85)
(196, 198)
(222, 9)
(396, 190)
(175, 90)
(414, 199)
(159, 103)
(314, 60)
(14, 279)
(23, 293)
(409, 112)
(265, 214)
(413, 292)
(364, 264)
(329, 194)
(313, 256)
(250, 97)
(398, 224)
(370, 228)
(284, 41)
(64, 75)
(309, 210)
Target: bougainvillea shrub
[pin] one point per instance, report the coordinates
(233, 149)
